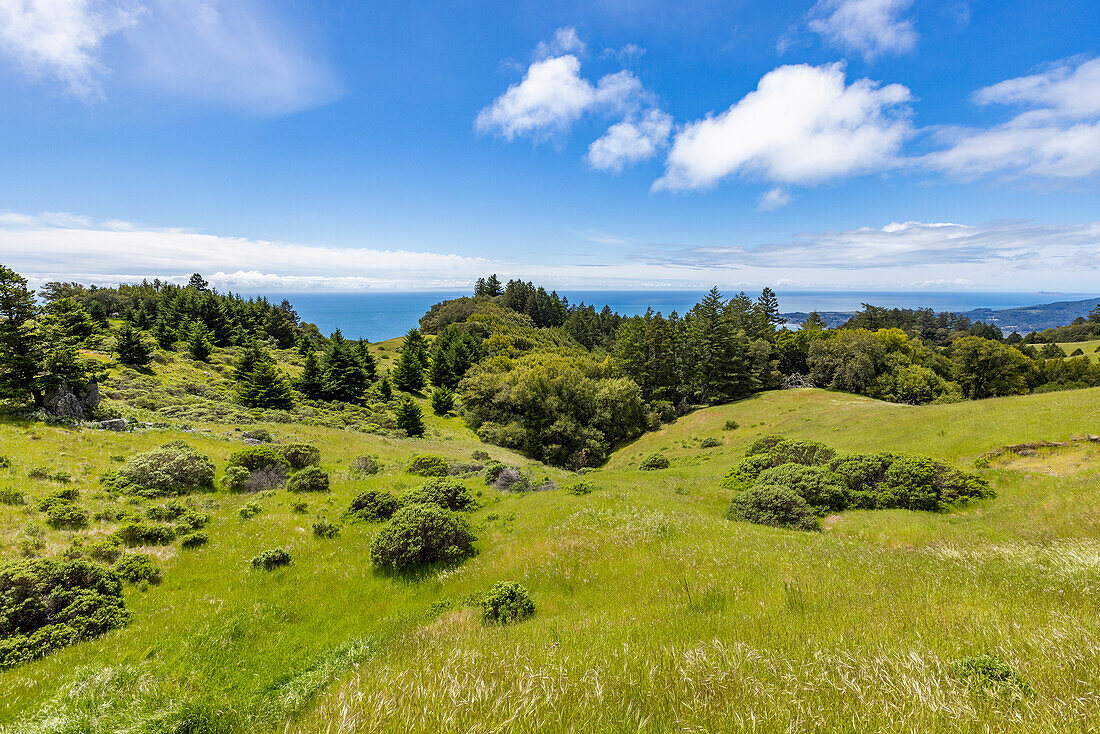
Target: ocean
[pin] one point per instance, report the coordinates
(383, 315)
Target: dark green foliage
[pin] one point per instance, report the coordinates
(370, 367)
(343, 374)
(174, 468)
(654, 461)
(271, 559)
(136, 568)
(39, 472)
(265, 386)
(136, 532)
(385, 389)
(66, 516)
(798, 451)
(428, 465)
(168, 511)
(310, 479)
(765, 504)
(580, 488)
(822, 490)
(249, 511)
(46, 605)
(985, 368)
(992, 674)
(417, 535)
(454, 351)
(408, 373)
(311, 381)
(374, 505)
(409, 417)
(493, 470)
(446, 493)
(259, 434)
(193, 540)
(763, 445)
(12, 496)
(254, 458)
(199, 345)
(443, 400)
(131, 347)
(190, 521)
(301, 455)
(366, 465)
(325, 530)
(507, 602)
(709, 442)
(61, 496)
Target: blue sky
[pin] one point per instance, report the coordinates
(292, 145)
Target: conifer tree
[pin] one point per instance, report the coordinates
(163, 333)
(266, 387)
(198, 341)
(17, 340)
(443, 400)
(408, 373)
(343, 375)
(370, 367)
(385, 389)
(311, 382)
(131, 347)
(251, 355)
(409, 417)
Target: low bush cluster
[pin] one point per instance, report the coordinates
(507, 602)
(365, 465)
(654, 461)
(324, 529)
(61, 512)
(271, 559)
(580, 488)
(12, 496)
(446, 493)
(374, 505)
(254, 458)
(136, 532)
(827, 482)
(174, 468)
(301, 455)
(136, 568)
(47, 604)
(310, 479)
(710, 442)
(428, 465)
(421, 534)
(249, 511)
(511, 479)
(196, 539)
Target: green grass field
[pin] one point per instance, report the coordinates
(654, 613)
(1089, 348)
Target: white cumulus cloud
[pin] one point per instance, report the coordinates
(871, 28)
(1056, 135)
(802, 124)
(630, 141)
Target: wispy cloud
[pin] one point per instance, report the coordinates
(235, 53)
(776, 198)
(802, 124)
(871, 28)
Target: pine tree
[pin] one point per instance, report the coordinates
(18, 361)
(409, 417)
(266, 387)
(250, 356)
(164, 334)
(69, 320)
(131, 347)
(370, 367)
(443, 400)
(408, 373)
(343, 374)
(311, 382)
(305, 345)
(385, 389)
(493, 287)
(198, 341)
(766, 314)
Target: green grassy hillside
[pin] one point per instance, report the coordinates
(653, 612)
(1089, 348)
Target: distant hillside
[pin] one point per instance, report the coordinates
(1024, 319)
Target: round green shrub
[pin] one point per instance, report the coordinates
(325, 529)
(249, 511)
(254, 458)
(765, 504)
(709, 442)
(258, 434)
(235, 478)
(174, 468)
(443, 400)
(66, 516)
(301, 455)
(493, 470)
(821, 489)
(580, 488)
(447, 493)
(421, 534)
(800, 451)
(374, 505)
(12, 496)
(365, 465)
(196, 539)
(743, 474)
(47, 604)
(763, 445)
(654, 461)
(507, 602)
(428, 465)
(730, 425)
(136, 532)
(136, 568)
(310, 479)
(271, 559)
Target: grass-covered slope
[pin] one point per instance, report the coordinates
(653, 613)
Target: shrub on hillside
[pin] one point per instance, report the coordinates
(324, 529)
(374, 505)
(765, 504)
(580, 488)
(136, 532)
(365, 465)
(821, 489)
(105, 551)
(992, 673)
(191, 520)
(271, 559)
(193, 540)
(421, 534)
(66, 516)
(799, 451)
(730, 425)
(249, 511)
(709, 443)
(301, 455)
(310, 479)
(168, 511)
(47, 604)
(763, 445)
(493, 470)
(255, 458)
(60, 497)
(743, 474)
(174, 468)
(507, 602)
(12, 496)
(136, 568)
(447, 493)
(258, 434)
(443, 400)
(427, 465)
(654, 461)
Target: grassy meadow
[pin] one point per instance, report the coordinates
(1089, 348)
(654, 613)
